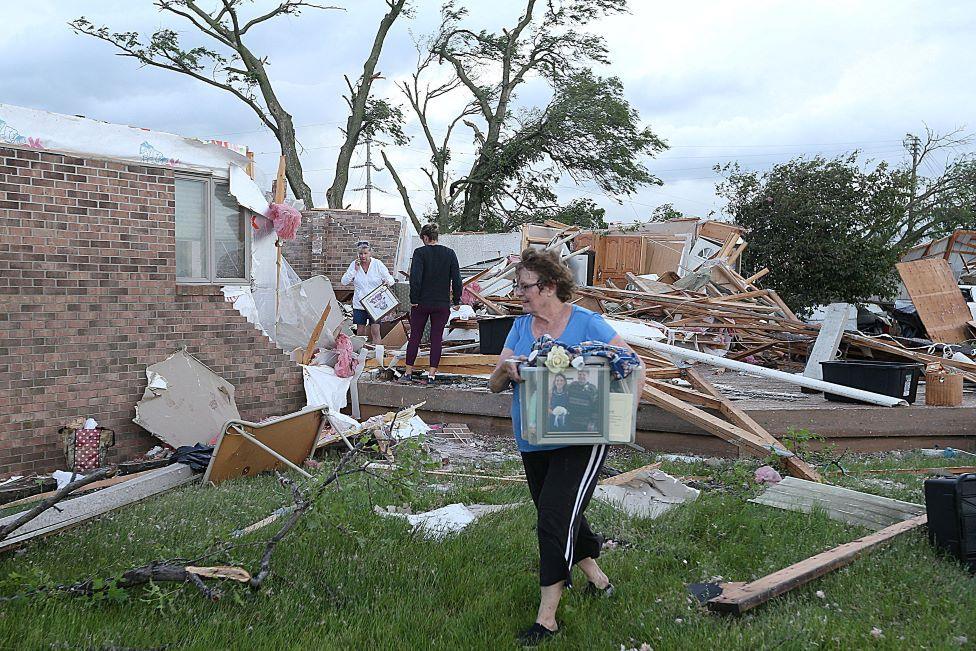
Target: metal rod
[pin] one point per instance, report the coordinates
(271, 452)
(751, 369)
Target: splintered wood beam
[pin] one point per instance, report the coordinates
(756, 276)
(475, 278)
(795, 466)
(688, 395)
(279, 190)
(484, 301)
(734, 434)
(624, 477)
(739, 599)
(310, 348)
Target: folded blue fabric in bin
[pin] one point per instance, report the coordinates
(622, 361)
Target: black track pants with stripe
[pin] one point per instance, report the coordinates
(561, 482)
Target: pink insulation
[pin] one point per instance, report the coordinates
(286, 220)
(346, 366)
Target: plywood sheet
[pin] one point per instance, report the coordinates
(937, 298)
(720, 231)
(292, 436)
(663, 254)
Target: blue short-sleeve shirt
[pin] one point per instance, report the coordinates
(583, 325)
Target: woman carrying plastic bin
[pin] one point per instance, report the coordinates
(561, 478)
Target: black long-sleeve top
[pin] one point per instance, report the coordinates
(432, 272)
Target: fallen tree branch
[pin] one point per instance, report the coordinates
(62, 493)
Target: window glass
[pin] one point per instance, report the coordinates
(229, 231)
(192, 244)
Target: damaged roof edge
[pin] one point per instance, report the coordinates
(79, 136)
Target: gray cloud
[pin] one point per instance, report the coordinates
(756, 81)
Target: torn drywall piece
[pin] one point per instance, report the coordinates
(246, 191)
(299, 307)
(648, 494)
(439, 523)
(185, 402)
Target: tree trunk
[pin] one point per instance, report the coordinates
(357, 103)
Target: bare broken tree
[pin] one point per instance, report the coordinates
(234, 69)
(941, 184)
(360, 110)
(420, 93)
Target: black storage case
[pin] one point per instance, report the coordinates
(895, 379)
(492, 334)
(950, 503)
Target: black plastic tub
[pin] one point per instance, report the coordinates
(895, 379)
(492, 334)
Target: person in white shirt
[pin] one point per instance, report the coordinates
(365, 274)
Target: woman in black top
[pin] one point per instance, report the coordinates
(435, 285)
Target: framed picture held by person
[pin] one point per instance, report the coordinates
(380, 302)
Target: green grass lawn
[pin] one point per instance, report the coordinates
(347, 578)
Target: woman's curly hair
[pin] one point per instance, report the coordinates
(552, 271)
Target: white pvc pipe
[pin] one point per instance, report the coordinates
(752, 369)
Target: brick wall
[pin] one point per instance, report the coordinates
(88, 299)
(336, 232)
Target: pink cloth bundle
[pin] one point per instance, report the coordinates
(346, 365)
(467, 297)
(285, 219)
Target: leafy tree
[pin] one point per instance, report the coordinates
(587, 130)
(578, 212)
(811, 223)
(936, 203)
(832, 229)
(665, 212)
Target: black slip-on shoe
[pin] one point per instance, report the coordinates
(535, 635)
(593, 591)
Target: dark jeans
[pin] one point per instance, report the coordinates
(561, 482)
(418, 320)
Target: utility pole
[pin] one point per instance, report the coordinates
(912, 143)
(369, 187)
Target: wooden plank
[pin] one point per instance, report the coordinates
(488, 304)
(739, 599)
(828, 340)
(279, 189)
(624, 477)
(712, 424)
(688, 395)
(938, 301)
(95, 485)
(794, 465)
(756, 276)
(316, 332)
(73, 512)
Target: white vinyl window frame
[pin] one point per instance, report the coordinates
(211, 277)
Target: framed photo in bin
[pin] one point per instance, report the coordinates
(380, 302)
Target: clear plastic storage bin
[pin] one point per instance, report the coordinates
(578, 406)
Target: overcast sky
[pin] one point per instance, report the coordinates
(754, 81)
